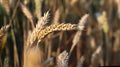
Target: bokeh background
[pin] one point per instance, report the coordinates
(98, 45)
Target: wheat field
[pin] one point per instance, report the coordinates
(59, 33)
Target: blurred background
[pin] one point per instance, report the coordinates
(99, 43)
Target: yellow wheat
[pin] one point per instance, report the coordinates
(52, 28)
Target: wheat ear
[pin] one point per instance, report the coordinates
(81, 26)
(52, 28)
(62, 60)
(39, 26)
(33, 56)
(3, 31)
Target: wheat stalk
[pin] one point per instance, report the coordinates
(27, 13)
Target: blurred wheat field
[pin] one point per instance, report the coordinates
(59, 33)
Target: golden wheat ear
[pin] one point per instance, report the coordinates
(62, 27)
(52, 28)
